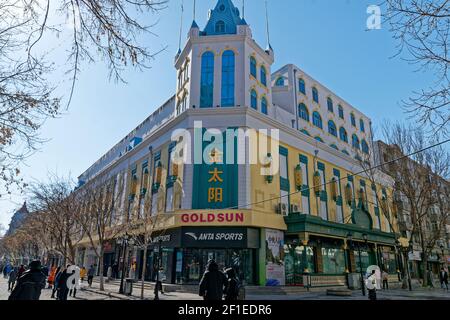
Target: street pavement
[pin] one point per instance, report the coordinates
(46, 293)
(111, 293)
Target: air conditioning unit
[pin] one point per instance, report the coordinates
(294, 208)
(283, 209)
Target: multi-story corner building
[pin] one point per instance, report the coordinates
(272, 226)
(429, 222)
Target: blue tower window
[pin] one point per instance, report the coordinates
(330, 105)
(315, 95)
(264, 105)
(228, 64)
(361, 125)
(207, 80)
(364, 147)
(254, 100)
(264, 76)
(253, 66)
(220, 27)
(341, 112)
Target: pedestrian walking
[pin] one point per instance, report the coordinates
(91, 273)
(161, 279)
(233, 285)
(83, 273)
(385, 277)
(30, 283)
(51, 277)
(55, 282)
(371, 284)
(6, 270)
(12, 277)
(443, 278)
(213, 283)
(63, 289)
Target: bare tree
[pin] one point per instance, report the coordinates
(422, 29)
(97, 215)
(84, 31)
(420, 181)
(56, 205)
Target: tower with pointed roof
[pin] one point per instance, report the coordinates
(216, 67)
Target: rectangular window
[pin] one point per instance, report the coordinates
(333, 260)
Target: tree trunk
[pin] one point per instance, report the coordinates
(425, 270)
(144, 269)
(102, 283)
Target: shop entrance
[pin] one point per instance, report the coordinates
(195, 262)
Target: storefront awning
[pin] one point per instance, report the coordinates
(300, 223)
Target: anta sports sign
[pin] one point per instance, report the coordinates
(220, 237)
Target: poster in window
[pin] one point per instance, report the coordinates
(275, 272)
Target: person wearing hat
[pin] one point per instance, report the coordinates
(30, 283)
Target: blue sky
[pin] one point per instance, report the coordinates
(327, 39)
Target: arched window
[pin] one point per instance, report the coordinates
(228, 64)
(302, 86)
(253, 66)
(341, 112)
(254, 100)
(352, 119)
(355, 141)
(220, 27)
(364, 147)
(318, 139)
(332, 128)
(361, 125)
(207, 80)
(315, 95)
(264, 105)
(280, 82)
(317, 120)
(334, 146)
(330, 105)
(343, 134)
(263, 76)
(305, 132)
(303, 112)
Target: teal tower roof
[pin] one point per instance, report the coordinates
(223, 19)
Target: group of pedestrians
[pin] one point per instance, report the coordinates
(215, 285)
(26, 283)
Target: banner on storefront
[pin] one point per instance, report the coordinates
(275, 271)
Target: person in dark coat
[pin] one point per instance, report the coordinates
(443, 278)
(232, 289)
(63, 289)
(213, 283)
(12, 279)
(29, 284)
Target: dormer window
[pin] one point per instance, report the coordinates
(220, 27)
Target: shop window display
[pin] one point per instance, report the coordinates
(333, 260)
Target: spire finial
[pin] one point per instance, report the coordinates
(243, 9)
(195, 4)
(181, 25)
(267, 26)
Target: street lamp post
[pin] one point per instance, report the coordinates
(442, 257)
(124, 241)
(405, 247)
(358, 246)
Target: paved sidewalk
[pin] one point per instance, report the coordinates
(112, 290)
